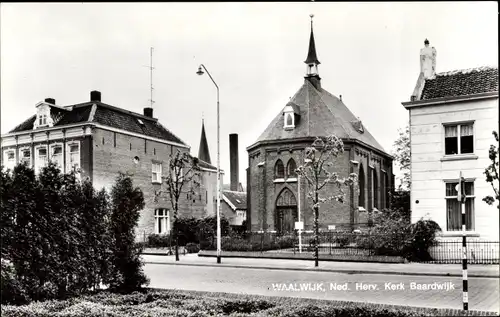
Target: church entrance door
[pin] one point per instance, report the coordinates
(286, 212)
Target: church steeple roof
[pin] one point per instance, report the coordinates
(203, 152)
(312, 58)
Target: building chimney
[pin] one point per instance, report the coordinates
(52, 101)
(428, 60)
(233, 161)
(95, 95)
(148, 112)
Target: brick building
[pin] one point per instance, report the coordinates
(273, 199)
(101, 140)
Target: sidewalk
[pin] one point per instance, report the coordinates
(475, 270)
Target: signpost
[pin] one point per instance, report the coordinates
(461, 197)
(299, 225)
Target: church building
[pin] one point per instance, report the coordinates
(276, 196)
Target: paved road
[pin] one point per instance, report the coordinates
(484, 293)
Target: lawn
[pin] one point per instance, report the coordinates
(152, 303)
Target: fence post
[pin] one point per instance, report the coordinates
(261, 242)
(330, 236)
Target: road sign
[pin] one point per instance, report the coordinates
(460, 188)
(299, 225)
(331, 227)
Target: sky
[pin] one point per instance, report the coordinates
(255, 52)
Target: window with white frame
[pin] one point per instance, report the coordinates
(453, 207)
(156, 172)
(40, 157)
(162, 223)
(459, 139)
(73, 157)
(241, 214)
(289, 116)
(9, 159)
(25, 156)
(56, 155)
(42, 120)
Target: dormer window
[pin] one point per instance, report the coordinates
(290, 114)
(289, 122)
(43, 118)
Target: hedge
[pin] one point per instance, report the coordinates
(61, 237)
(186, 303)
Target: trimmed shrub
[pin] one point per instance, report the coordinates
(126, 265)
(159, 241)
(184, 303)
(12, 290)
(60, 242)
(422, 237)
(192, 248)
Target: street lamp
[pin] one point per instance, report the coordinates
(200, 72)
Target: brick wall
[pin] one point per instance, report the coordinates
(114, 152)
(264, 191)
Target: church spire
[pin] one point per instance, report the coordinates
(312, 61)
(312, 58)
(203, 153)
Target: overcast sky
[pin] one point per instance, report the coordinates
(369, 54)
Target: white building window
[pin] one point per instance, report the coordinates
(56, 155)
(241, 214)
(162, 223)
(459, 139)
(289, 116)
(289, 120)
(73, 157)
(40, 157)
(25, 155)
(453, 207)
(156, 172)
(42, 120)
(9, 159)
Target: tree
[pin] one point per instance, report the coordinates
(182, 178)
(126, 266)
(491, 173)
(318, 171)
(402, 155)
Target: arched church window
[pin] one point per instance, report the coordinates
(279, 170)
(361, 185)
(290, 169)
(286, 198)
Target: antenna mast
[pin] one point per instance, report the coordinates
(151, 77)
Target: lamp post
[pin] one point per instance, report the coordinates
(200, 72)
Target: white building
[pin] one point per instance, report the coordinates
(452, 116)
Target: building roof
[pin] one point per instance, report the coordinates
(241, 188)
(461, 83)
(321, 114)
(237, 200)
(104, 114)
(203, 152)
(203, 164)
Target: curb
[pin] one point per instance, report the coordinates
(327, 270)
